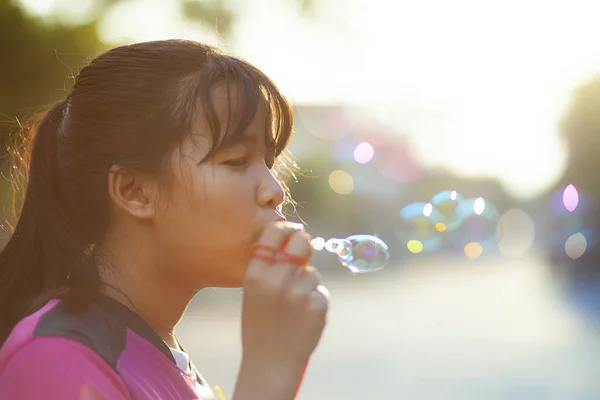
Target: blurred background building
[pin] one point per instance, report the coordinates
(465, 134)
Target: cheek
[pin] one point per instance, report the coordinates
(218, 209)
(230, 213)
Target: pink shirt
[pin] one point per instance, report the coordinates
(105, 352)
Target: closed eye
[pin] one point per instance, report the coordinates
(238, 162)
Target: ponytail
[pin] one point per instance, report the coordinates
(39, 258)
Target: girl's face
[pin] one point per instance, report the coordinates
(211, 213)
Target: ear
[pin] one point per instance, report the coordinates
(132, 192)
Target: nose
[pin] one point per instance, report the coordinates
(270, 193)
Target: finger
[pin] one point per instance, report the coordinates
(319, 299)
(273, 238)
(305, 281)
(259, 270)
(296, 253)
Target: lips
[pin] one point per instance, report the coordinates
(274, 218)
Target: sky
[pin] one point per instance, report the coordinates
(476, 87)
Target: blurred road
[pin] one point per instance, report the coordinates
(437, 330)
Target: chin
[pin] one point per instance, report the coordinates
(230, 283)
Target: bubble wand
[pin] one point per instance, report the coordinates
(358, 253)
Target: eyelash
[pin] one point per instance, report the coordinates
(236, 162)
(242, 162)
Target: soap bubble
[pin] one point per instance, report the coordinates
(446, 203)
(419, 224)
(478, 230)
(359, 253)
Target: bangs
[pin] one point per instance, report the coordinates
(247, 91)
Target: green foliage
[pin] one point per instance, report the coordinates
(210, 14)
(38, 57)
(580, 128)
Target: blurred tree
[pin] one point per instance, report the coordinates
(36, 58)
(580, 129)
(42, 55)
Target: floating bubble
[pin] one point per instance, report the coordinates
(479, 207)
(446, 203)
(479, 221)
(570, 198)
(358, 253)
(418, 222)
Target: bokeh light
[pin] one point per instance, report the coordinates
(341, 182)
(451, 222)
(576, 245)
(418, 223)
(446, 202)
(570, 198)
(571, 221)
(478, 223)
(516, 232)
(427, 209)
(414, 246)
(363, 153)
(479, 206)
(473, 250)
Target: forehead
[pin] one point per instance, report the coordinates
(237, 115)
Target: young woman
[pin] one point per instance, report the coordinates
(154, 178)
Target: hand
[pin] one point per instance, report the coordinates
(284, 308)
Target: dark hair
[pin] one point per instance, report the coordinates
(130, 107)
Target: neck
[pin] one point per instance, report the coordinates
(162, 314)
(134, 279)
